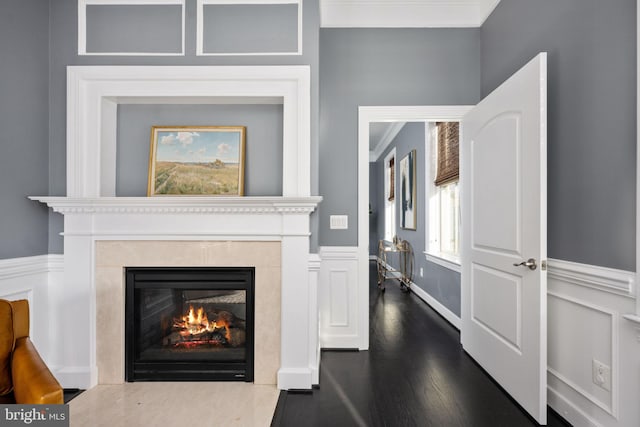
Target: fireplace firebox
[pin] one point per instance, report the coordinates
(189, 324)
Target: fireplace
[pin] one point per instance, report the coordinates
(189, 324)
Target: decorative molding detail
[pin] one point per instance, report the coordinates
(25, 266)
(94, 92)
(200, 27)
(615, 357)
(618, 282)
(339, 320)
(391, 132)
(632, 318)
(82, 25)
(405, 13)
(181, 205)
(339, 253)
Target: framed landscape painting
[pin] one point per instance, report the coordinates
(197, 161)
(408, 212)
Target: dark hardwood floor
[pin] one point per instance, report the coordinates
(414, 374)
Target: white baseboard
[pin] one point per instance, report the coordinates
(568, 411)
(295, 379)
(449, 315)
(75, 376)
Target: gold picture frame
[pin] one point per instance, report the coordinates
(196, 161)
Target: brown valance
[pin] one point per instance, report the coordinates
(392, 179)
(448, 147)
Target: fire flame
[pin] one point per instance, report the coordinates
(196, 323)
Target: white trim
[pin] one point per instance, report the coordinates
(82, 25)
(339, 253)
(618, 282)
(615, 357)
(405, 13)
(386, 139)
(568, 410)
(449, 315)
(200, 26)
(180, 205)
(443, 261)
(367, 115)
(387, 191)
(91, 148)
(24, 266)
(637, 313)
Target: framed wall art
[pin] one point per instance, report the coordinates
(197, 161)
(408, 193)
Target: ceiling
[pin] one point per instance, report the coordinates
(405, 13)
(380, 135)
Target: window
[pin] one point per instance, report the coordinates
(443, 194)
(389, 195)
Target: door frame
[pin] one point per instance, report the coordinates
(367, 115)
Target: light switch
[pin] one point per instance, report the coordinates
(338, 222)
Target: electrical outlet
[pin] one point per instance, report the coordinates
(601, 375)
(421, 272)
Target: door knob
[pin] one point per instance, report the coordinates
(531, 263)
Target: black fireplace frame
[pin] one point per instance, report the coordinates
(198, 278)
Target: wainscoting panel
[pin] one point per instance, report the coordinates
(586, 305)
(338, 297)
(29, 278)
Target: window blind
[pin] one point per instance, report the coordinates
(448, 147)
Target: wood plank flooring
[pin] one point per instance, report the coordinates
(414, 374)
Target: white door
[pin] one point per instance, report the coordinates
(504, 223)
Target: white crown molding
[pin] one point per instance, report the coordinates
(405, 13)
(391, 132)
(181, 205)
(604, 279)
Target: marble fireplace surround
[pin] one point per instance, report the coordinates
(113, 256)
(104, 233)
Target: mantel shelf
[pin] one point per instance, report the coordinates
(181, 204)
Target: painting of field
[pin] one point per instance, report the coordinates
(205, 161)
(197, 178)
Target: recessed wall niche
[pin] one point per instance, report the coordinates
(263, 156)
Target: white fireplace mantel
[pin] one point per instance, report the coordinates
(180, 205)
(93, 213)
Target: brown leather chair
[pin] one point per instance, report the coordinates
(24, 378)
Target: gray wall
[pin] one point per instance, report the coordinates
(382, 67)
(140, 28)
(263, 154)
(591, 119)
(441, 283)
(63, 45)
(24, 32)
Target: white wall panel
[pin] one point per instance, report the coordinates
(585, 322)
(338, 297)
